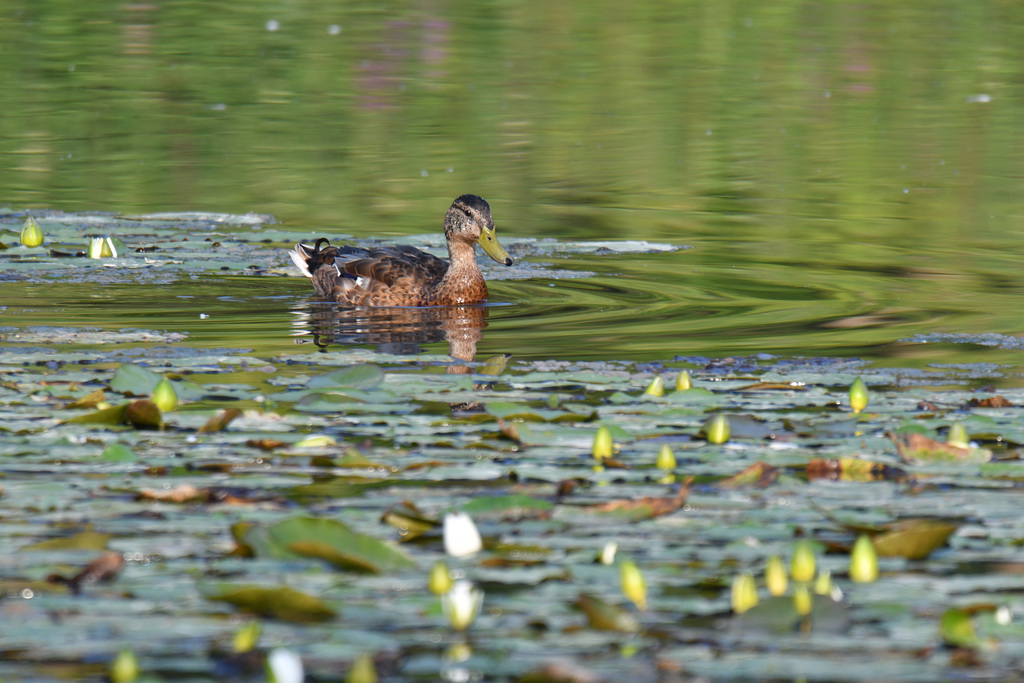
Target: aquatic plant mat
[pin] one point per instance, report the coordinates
(161, 497)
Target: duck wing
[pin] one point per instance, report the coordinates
(364, 277)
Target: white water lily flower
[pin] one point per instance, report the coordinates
(608, 552)
(284, 666)
(461, 537)
(462, 604)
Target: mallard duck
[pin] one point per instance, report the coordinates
(403, 275)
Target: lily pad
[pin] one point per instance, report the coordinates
(286, 604)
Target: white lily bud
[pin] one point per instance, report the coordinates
(462, 604)
(284, 666)
(461, 537)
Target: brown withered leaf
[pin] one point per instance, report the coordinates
(994, 402)
(265, 444)
(918, 449)
(103, 569)
(758, 475)
(183, 493)
(648, 506)
(220, 421)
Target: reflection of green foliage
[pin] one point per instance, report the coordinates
(572, 118)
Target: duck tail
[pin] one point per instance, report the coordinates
(299, 256)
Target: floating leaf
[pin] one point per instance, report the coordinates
(103, 569)
(605, 617)
(87, 540)
(636, 509)
(220, 420)
(90, 400)
(957, 629)
(410, 522)
(514, 506)
(118, 452)
(328, 540)
(758, 475)
(918, 449)
(913, 539)
(779, 615)
(113, 415)
(285, 603)
(134, 380)
(354, 377)
(991, 402)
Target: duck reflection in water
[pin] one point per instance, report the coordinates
(406, 297)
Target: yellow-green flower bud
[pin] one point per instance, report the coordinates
(666, 459)
(823, 584)
(863, 560)
(656, 387)
(716, 429)
(31, 235)
(775, 576)
(164, 396)
(803, 601)
(603, 448)
(362, 671)
(744, 593)
(802, 566)
(124, 668)
(683, 381)
(858, 395)
(440, 580)
(633, 585)
(246, 637)
(958, 436)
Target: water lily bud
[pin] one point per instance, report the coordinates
(362, 671)
(440, 580)
(958, 436)
(858, 395)
(775, 576)
(608, 552)
(666, 459)
(656, 387)
(802, 566)
(284, 666)
(823, 584)
(633, 585)
(683, 381)
(124, 668)
(246, 637)
(31, 235)
(461, 537)
(603, 444)
(98, 248)
(803, 601)
(164, 396)
(716, 429)
(462, 604)
(744, 593)
(863, 560)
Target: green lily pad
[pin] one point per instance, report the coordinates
(87, 540)
(286, 604)
(957, 629)
(133, 380)
(355, 377)
(605, 617)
